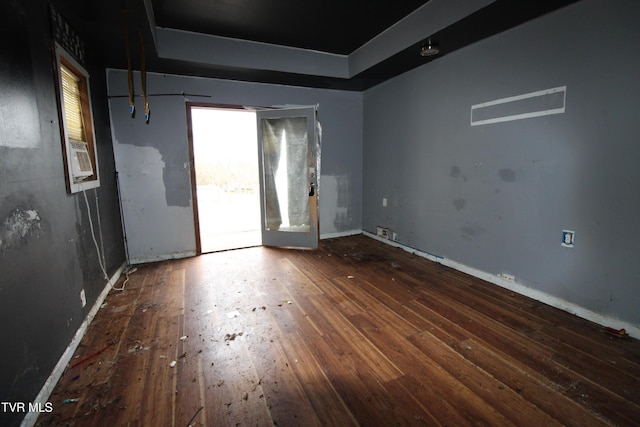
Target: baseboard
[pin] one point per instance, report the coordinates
(156, 258)
(340, 234)
(600, 319)
(42, 397)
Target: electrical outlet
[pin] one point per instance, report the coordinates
(568, 237)
(384, 202)
(83, 298)
(382, 232)
(508, 277)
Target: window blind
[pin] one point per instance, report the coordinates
(72, 105)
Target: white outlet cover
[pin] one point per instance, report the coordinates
(83, 298)
(568, 237)
(507, 277)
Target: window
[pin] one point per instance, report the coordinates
(76, 124)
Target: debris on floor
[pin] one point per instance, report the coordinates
(137, 347)
(148, 306)
(233, 336)
(190, 423)
(618, 333)
(255, 386)
(91, 356)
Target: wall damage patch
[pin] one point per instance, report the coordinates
(20, 224)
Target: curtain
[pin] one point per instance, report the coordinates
(286, 152)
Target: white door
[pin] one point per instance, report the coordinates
(288, 147)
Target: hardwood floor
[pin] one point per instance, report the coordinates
(354, 333)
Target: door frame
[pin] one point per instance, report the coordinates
(192, 162)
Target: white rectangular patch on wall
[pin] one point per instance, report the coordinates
(533, 104)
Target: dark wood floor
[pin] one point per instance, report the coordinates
(354, 333)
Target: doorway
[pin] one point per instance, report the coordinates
(226, 175)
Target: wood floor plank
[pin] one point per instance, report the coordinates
(355, 289)
(326, 286)
(327, 403)
(398, 350)
(506, 400)
(540, 358)
(327, 408)
(531, 385)
(160, 387)
(353, 333)
(380, 366)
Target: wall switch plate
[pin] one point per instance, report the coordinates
(384, 202)
(83, 298)
(568, 238)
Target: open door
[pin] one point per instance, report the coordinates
(288, 147)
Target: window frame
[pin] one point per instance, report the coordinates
(62, 57)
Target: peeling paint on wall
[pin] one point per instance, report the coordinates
(154, 227)
(336, 193)
(18, 226)
(342, 219)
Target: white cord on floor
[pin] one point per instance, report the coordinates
(127, 272)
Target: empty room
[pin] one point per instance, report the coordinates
(241, 213)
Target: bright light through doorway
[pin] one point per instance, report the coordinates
(227, 182)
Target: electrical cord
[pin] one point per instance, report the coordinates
(104, 262)
(127, 272)
(93, 235)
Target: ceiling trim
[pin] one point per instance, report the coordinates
(151, 19)
(424, 22)
(231, 52)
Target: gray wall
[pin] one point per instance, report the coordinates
(47, 255)
(153, 159)
(497, 197)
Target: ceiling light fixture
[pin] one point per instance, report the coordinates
(429, 49)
